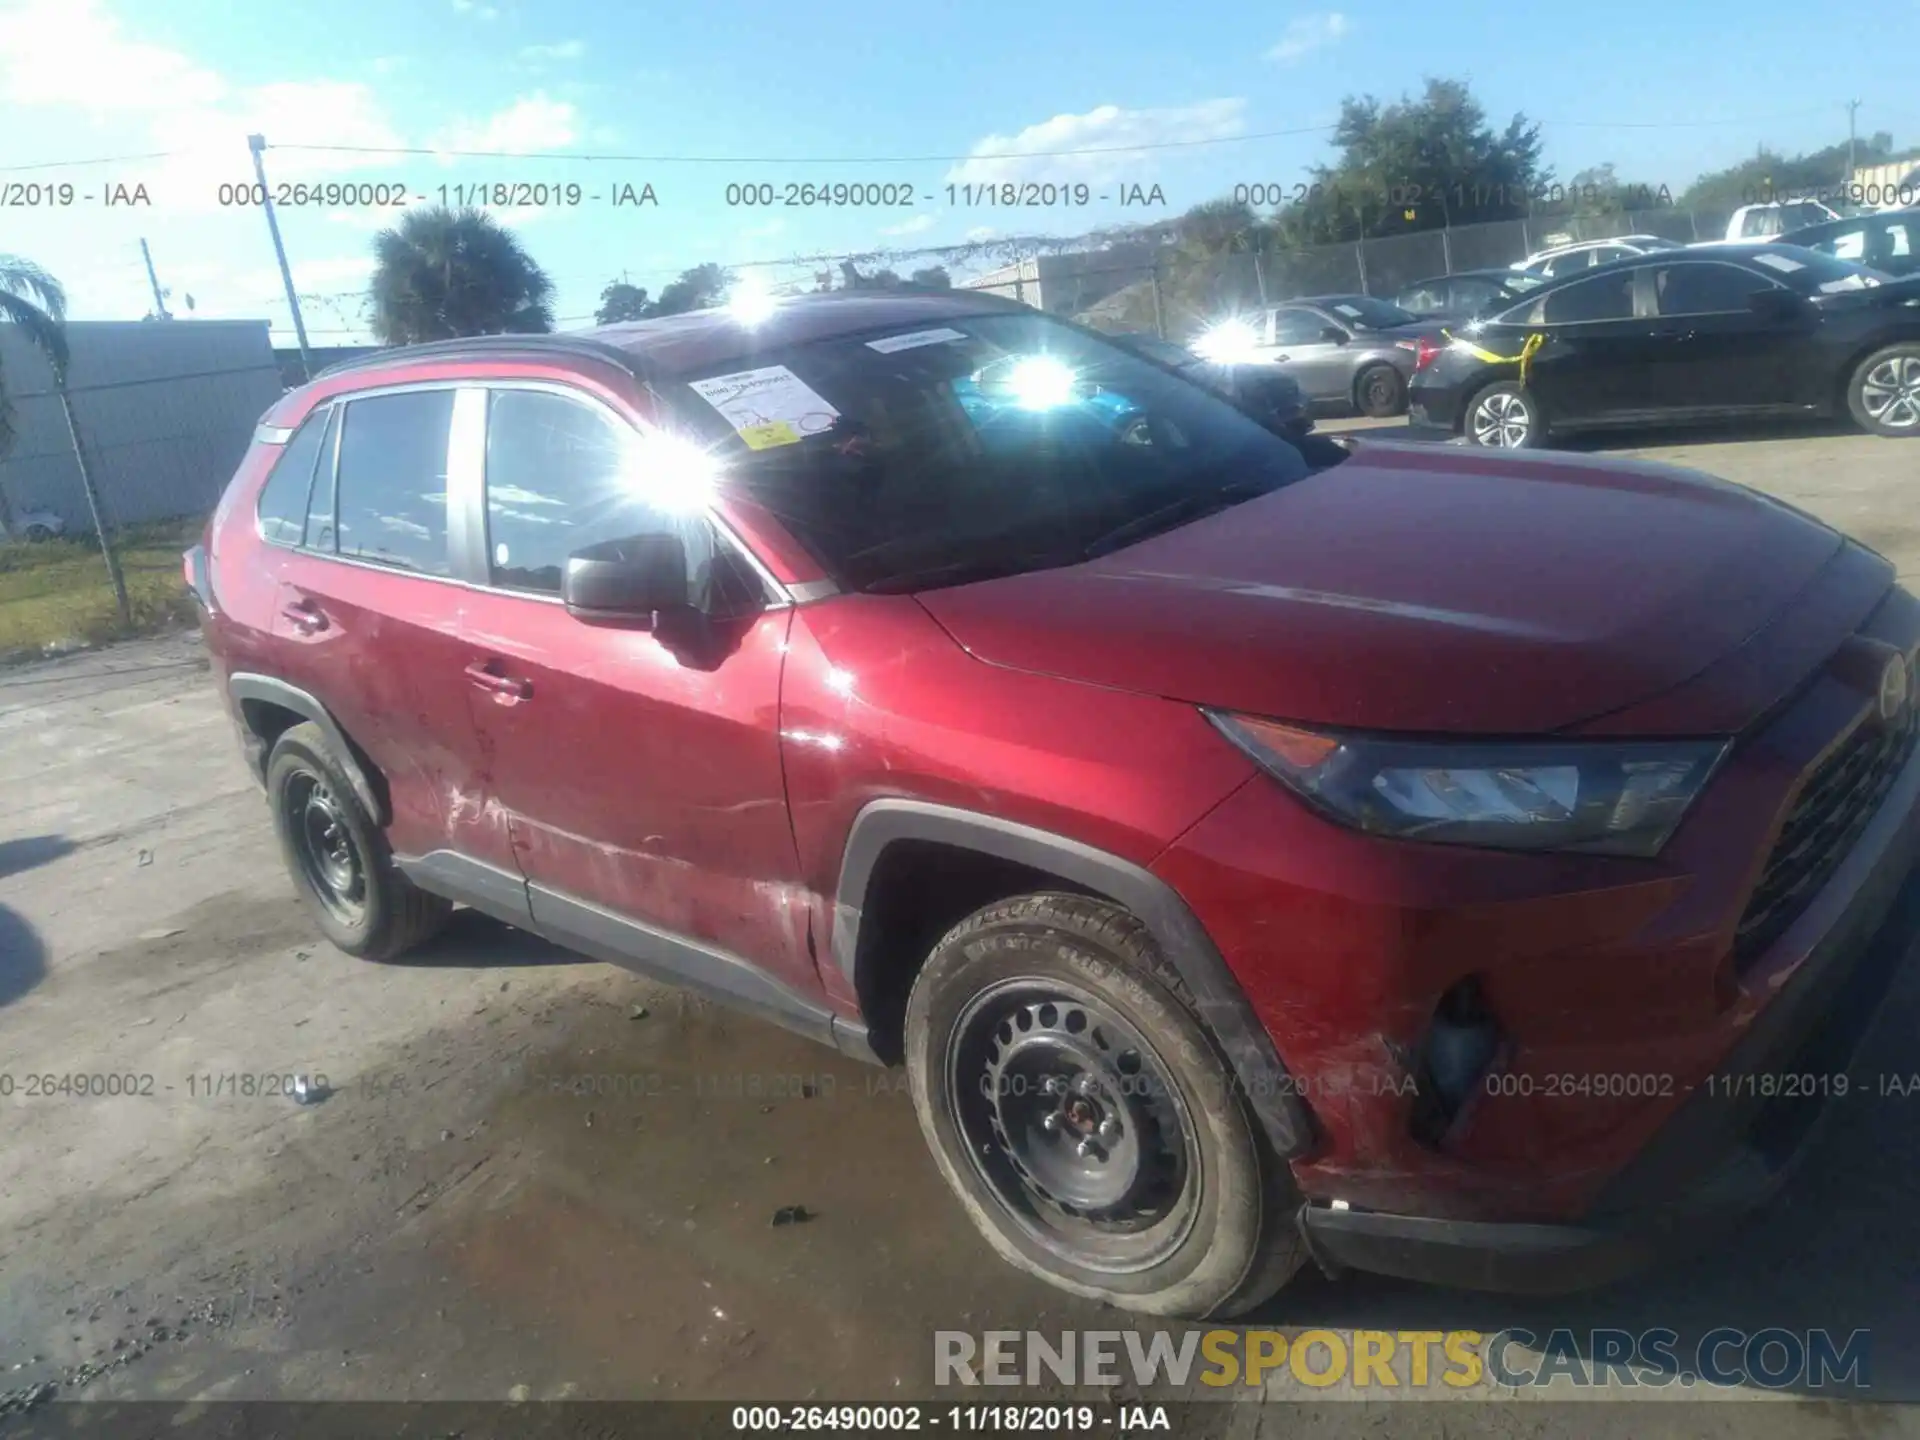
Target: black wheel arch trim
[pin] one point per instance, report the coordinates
(243, 686)
(1257, 1066)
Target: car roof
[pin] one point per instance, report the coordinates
(1872, 217)
(682, 344)
(1501, 274)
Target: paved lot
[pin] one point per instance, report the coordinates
(450, 1224)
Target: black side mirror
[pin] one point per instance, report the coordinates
(630, 580)
(1775, 304)
(1334, 335)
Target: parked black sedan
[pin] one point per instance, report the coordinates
(1888, 240)
(1703, 334)
(1466, 293)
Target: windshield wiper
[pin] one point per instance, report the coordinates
(1194, 505)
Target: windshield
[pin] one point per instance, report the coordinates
(986, 445)
(1372, 314)
(1154, 348)
(1812, 273)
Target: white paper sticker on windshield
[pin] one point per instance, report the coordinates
(1778, 262)
(912, 340)
(767, 407)
(1352, 310)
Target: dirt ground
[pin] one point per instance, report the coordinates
(541, 1177)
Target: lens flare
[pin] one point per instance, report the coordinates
(750, 302)
(1040, 383)
(671, 473)
(1231, 342)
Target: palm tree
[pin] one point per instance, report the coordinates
(445, 273)
(34, 301)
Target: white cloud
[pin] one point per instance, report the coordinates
(477, 9)
(981, 232)
(1034, 153)
(913, 225)
(1307, 34)
(564, 50)
(533, 122)
(69, 52)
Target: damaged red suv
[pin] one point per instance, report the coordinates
(1468, 867)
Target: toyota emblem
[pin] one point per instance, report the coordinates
(1894, 685)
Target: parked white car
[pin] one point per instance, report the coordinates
(1563, 259)
(36, 525)
(1776, 217)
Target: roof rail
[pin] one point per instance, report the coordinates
(491, 347)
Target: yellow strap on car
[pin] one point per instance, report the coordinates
(1523, 359)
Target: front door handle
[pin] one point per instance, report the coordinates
(304, 616)
(486, 677)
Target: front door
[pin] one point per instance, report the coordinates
(1301, 347)
(639, 773)
(1714, 353)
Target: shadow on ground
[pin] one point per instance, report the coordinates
(23, 959)
(479, 941)
(30, 852)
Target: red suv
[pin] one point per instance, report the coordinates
(1469, 867)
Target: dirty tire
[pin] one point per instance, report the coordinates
(39, 534)
(392, 914)
(1219, 1234)
(1883, 393)
(1379, 391)
(1503, 415)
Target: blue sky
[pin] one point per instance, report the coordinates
(1633, 82)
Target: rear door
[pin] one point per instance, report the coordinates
(369, 618)
(1587, 368)
(638, 771)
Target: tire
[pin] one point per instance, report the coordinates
(36, 534)
(338, 857)
(1380, 391)
(1184, 1209)
(1884, 391)
(1488, 416)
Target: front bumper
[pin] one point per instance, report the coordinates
(1723, 1152)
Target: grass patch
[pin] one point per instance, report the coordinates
(57, 591)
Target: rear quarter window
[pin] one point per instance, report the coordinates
(283, 499)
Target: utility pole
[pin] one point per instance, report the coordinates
(159, 299)
(258, 144)
(1853, 107)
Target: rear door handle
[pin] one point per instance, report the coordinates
(304, 616)
(485, 677)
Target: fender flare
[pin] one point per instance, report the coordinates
(243, 686)
(1223, 1005)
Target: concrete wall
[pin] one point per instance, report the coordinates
(166, 409)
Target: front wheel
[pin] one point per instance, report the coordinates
(1380, 392)
(1884, 393)
(1085, 1118)
(1504, 416)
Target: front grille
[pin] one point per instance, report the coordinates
(1834, 807)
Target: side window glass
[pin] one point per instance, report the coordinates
(1604, 297)
(283, 499)
(319, 517)
(392, 505)
(1297, 327)
(1705, 289)
(561, 476)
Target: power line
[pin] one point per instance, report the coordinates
(96, 160)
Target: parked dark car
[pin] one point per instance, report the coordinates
(1349, 352)
(1888, 241)
(1466, 293)
(1708, 333)
(1265, 392)
(1423, 866)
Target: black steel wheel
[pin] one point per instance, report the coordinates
(1087, 1120)
(330, 860)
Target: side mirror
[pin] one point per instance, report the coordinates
(628, 580)
(1334, 335)
(1775, 304)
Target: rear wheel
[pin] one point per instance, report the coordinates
(1884, 393)
(1087, 1120)
(38, 533)
(337, 856)
(1379, 391)
(1504, 416)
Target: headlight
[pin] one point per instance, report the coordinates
(1598, 797)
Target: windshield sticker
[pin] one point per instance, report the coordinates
(1777, 262)
(1351, 311)
(767, 407)
(913, 340)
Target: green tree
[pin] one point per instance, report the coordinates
(700, 288)
(446, 273)
(933, 277)
(1767, 174)
(621, 301)
(36, 303)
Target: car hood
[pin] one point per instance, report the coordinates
(1418, 589)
